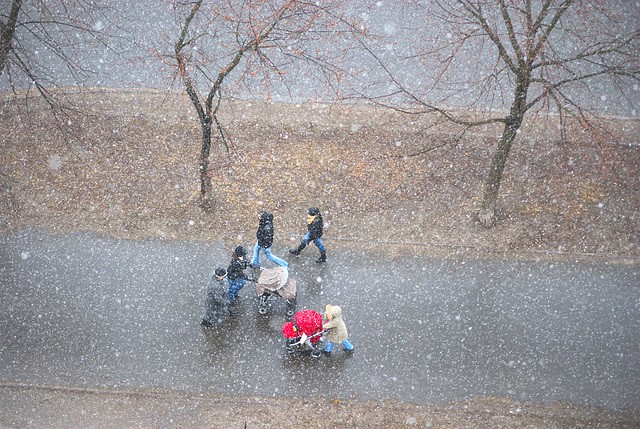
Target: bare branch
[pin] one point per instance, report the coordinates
(7, 33)
(477, 14)
(511, 34)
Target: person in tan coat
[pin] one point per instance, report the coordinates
(337, 329)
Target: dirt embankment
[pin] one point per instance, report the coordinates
(126, 165)
(52, 407)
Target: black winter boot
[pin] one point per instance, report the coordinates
(323, 257)
(298, 250)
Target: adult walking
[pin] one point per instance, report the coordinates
(216, 302)
(265, 240)
(315, 227)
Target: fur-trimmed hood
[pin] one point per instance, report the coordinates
(334, 323)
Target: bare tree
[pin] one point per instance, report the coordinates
(7, 32)
(520, 55)
(261, 42)
(44, 44)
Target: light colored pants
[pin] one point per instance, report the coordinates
(316, 241)
(234, 288)
(267, 252)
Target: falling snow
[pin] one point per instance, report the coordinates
(106, 253)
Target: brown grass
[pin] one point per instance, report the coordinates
(126, 165)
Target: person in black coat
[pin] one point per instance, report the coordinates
(235, 274)
(315, 226)
(217, 302)
(265, 240)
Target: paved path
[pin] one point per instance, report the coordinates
(82, 310)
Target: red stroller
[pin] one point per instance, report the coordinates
(303, 333)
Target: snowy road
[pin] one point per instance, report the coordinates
(78, 309)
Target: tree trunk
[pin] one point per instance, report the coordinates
(487, 215)
(512, 123)
(205, 181)
(7, 33)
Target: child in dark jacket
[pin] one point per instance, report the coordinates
(235, 273)
(265, 240)
(315, 226)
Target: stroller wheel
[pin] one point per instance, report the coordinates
(262, 310)
(316, 353)
(291, 307)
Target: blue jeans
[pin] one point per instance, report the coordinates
(316, 241)
(329, 346)
(234, 288)
(267, 252)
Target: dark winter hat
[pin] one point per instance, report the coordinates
(221, 272)
(313, 211)
(240, 251)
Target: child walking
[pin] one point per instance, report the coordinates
(337, 329)
(236, 276)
